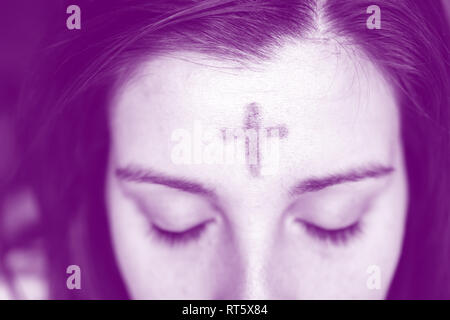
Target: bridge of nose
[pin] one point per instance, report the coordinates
(253, 228)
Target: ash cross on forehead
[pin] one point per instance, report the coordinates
(252, 121)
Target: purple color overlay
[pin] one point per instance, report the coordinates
(56, 137)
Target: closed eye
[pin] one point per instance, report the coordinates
(336, 236)
(179, 238)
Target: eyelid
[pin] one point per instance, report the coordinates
(336, 209)
(173, 213)
(337, 236)
(179, 238)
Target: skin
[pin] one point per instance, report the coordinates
(341, 115)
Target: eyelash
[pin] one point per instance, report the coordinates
(179, 238)
(336, 236)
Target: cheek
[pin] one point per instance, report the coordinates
(128, 231)
(385, 236)
(362, 269)
(152, 270)
(296, 271)
(376, 259)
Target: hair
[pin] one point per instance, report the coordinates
(63, 133)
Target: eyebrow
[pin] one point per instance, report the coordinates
(140, 175)
(318, 183)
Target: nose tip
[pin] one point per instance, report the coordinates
(250, 248)
(248, 277)
(255, 284)
(251, 285)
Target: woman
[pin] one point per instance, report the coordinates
(353, 205)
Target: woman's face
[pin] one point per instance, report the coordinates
(280, 180)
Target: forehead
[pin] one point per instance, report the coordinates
(337, 106)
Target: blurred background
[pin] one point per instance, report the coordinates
(23, 24)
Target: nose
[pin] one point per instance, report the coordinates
(251, 241)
